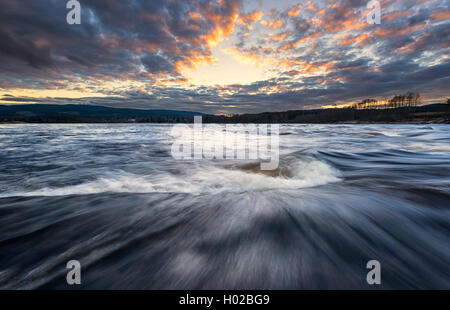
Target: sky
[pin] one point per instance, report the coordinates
(222, 56)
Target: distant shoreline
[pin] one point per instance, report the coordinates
(91, 114)
(434, 122)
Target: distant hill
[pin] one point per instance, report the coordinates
(50, 113)
(45, 113)
(437, 113)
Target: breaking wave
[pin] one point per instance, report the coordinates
(292, 173)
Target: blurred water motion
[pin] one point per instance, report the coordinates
(112, 197)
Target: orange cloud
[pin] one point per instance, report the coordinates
(293, 73)
(311, 6)
(415, 45)
(294, 44)
(304, 67)
(339, 18)
(250, 19)
(167, 82)
(194, 15)
(295, 10)
(440, 15)
(291, 63)
(192, 62)
(393, 15)
(224, 25)
(42, 43)
(280, 36)
(272, 24)
(361, 39)
(396, 32)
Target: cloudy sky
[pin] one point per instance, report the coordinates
(222, 56)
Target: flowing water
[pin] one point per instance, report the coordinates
(113, 198)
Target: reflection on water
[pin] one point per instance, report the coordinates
(112, 197)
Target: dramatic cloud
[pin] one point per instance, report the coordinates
(222, 56)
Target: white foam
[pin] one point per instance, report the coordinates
(427, 147)
(203, 180)
(390, 134)
(384, 133)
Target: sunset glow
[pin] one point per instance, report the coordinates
(223, 56)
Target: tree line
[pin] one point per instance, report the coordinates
(407, 100)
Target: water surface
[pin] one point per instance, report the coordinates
(112, 197)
